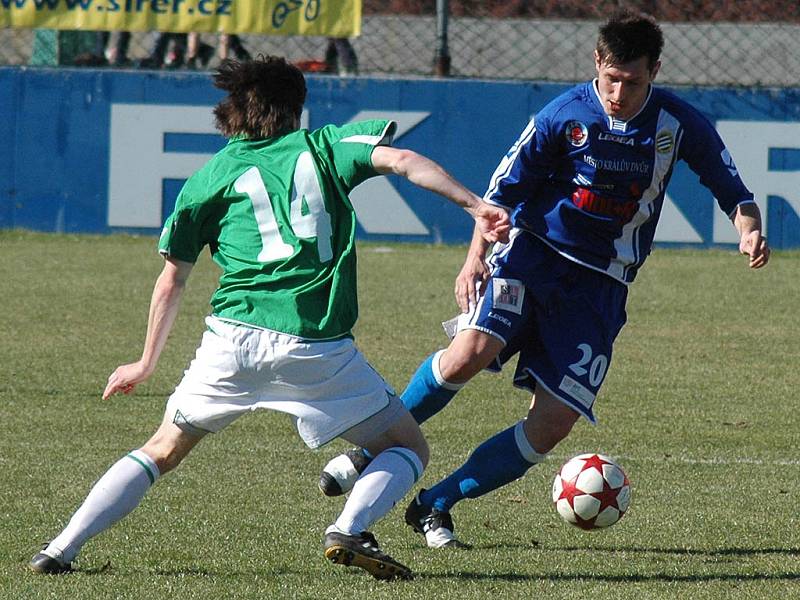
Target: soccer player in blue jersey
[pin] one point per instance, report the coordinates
(585, 184)
(273, 209)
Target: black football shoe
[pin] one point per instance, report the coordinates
(44, 564)
(434, 525)
(362, 551)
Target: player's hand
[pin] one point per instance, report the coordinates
(755, 246)
(470, 279)
(124, 379)
(493, 222)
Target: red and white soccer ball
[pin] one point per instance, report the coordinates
(591, 491)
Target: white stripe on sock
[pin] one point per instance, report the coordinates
(524, 446)
(437, 374)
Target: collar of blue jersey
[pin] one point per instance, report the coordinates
(617, 124)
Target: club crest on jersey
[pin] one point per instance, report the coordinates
(507, 294)
(664, 142)
(576, 133)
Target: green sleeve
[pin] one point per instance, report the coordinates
(351, 146)
(182, 236)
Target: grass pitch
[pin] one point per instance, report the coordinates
(700, 407)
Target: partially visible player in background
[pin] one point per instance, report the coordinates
(273, 208)
(586, 183)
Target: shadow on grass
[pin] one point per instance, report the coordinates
(103, 569)
(106, 569)
(712, 552)
(188, 571)
(633, 578)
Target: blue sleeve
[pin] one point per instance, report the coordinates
(527, 164)
(706, 154)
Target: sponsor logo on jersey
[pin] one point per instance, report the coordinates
(617, 139)
(580, 180)
(664, 142)
(576, 133)
(618, 165)
(602, 205)
(507, 294)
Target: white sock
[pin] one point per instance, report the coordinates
(115, 494)
(382, 484)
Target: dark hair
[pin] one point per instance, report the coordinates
(265, 97)
(627, 36)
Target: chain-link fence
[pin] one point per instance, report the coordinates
(712, 42)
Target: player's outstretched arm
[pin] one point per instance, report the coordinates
(472, 273)
(748, 223)
(164, 306)
(492, 221)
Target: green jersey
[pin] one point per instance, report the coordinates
(276, 216)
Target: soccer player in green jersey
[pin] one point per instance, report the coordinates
(273, 209)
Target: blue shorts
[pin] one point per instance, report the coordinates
(560, 317)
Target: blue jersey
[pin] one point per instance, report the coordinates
(592, 186)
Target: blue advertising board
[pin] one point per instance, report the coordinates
(102, 151)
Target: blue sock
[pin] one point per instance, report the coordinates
(499, 460)
(427, 392)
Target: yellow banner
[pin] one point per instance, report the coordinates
(334, 18)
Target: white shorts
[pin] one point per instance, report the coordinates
(328, 387)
